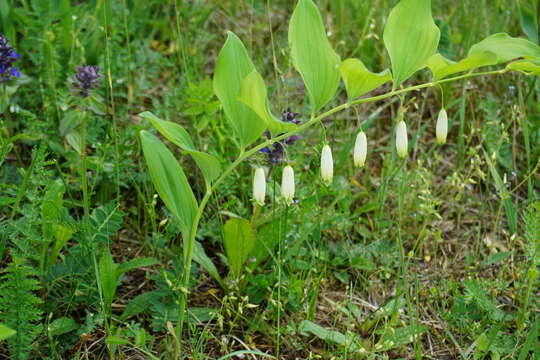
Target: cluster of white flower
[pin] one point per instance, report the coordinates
(327, 162)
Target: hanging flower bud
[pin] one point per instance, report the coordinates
(259, 186)
(360, 149)
(327, 164)
(401, 139)
(287, 184)
(442, 126)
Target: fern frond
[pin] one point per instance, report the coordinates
(20, 307)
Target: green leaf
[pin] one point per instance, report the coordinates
(253, 94)
(359, 80)
(504, 194)
(170, 181)
(62, 326)
(312, 55)
(51, 207)
(478, 294)
(73, 138)
(200, 315)
(6, 332)
(531, 342)
(390, 308)
(496, 257)
(107, 277)
(140, 303)
(527, 67)
(441, 67)
(307, 327)
(529, 19)
(393, 338)
(232, 66)
(176, 134)
(116, 340)
(352, 342)
(199, 255)
(411, 38)
(135, 264)
(239, 239)
(506, 47)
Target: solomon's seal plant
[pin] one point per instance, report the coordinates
(411, 38)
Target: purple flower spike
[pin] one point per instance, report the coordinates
(276, 152)
(8, 56)
(88, 78)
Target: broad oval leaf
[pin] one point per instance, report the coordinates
(176, 134)
(411, 38)
(170, 181)
(312, 55)
(359, 80)
(253, 94)
(506, 47)
(239, 238)
(527, 67)
(441, 67)
(232, 66)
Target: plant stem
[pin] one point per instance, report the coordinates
(84, 175)
(245, 154)
(5, 109)
(280, 249)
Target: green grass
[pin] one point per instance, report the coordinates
(432, 257)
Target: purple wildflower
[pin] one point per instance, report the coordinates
(88, 78)
(8, 56)
(276, 151)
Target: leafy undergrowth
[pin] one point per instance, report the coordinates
(432, 257)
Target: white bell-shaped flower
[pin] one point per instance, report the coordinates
(360, 149)
(287, 184)
(401, 139)
(327, 164)
(259, 186)
(442, 126)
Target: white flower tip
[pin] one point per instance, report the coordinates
(327, 164)
(287, 184)
(401, 139)
(259, 186)
(441, 129)
(360, 149)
